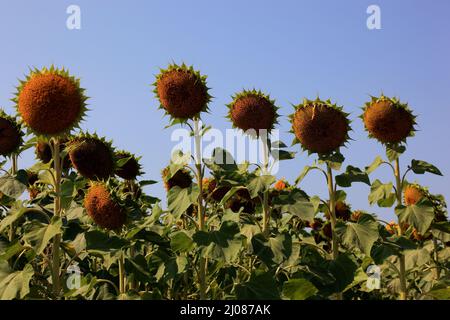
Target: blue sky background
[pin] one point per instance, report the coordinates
(290, 49)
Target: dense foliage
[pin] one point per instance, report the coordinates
(230, 230)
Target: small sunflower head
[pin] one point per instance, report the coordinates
(356, 215)
(91, 156)
(103, 207)
(182, 178)
(10, 135)
(253, 110)
(412, 194)
(342, 210)
(182, 92)
(131, 168)
(320, 126)
(281, 185)
(50, 102)
(388, 120)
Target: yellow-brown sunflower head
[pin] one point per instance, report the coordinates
(320, 126)
(182, 92)
(50, 102)
(388, 120)
(253, 110)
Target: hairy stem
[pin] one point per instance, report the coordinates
(57, 212)
(121, 274)
(200, 211)
(13, 173)
(334, 239)
(402, 271)
(266, 211)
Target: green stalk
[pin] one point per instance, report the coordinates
(266, 211)
(402, 271)
(332, 209)
(200, 212)
(57, 212)
(13, 173)
(121, 274)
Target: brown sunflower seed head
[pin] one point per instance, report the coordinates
(10, 135)
(182, 92)
(182, 178)
(50, 102)
(388, 120)
(320, 126)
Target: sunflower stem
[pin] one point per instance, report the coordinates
(13, 173)
(266, 211)
(57, 212)
(201, 215)
(398, 193)
(121, 275)
(332, 209)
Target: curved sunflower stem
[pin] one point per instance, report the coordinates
(121, 274)
(56, 262)
(332, 209)
(13, 173)
(398, 193)
(200, 211)
(266, 211)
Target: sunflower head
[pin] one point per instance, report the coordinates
(413, 193)
(182, 178)
(93, 157)
(50, 101)
(182, 92)
(11, 135)
(388, 120)
(131, 168)
(103, 207)
(253, 110)
(320, 126)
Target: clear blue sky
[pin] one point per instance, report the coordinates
(290, 49)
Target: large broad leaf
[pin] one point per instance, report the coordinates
(180, 199)
(273, 250)
(278, 154)
(352, 174)
(393, 151)
(439, 294)
(221, 245)
(419, 215)
(9, 250)
(181, 241)
(416, 258)
(374, 165)
(361, 234)
(382, 251)
(11, 187)
(343, 269)
(261, 286)
(260, 184)
(145, 222)
(298, 289)
(420, 167)
(17, 210)
(40, 234)
(297, 204)
(16, 284)
(98, 241)
(381, 194)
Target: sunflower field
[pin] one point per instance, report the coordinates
(78, 224)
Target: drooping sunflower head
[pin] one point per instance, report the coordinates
(103, 207)
(50, 101)
(182, 178)
(131, 168)
(343, 210)
(388, 120)
(91, 156)
(320, 126)
(253, 110)
(182, 92)
(11, 135)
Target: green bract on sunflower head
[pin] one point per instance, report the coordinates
(93, 157)
(388, 120)
(50, 102)
(128, 166)
(320, 126)
(104, 206)
(251, 111)
(182, 92)
(11, 135)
